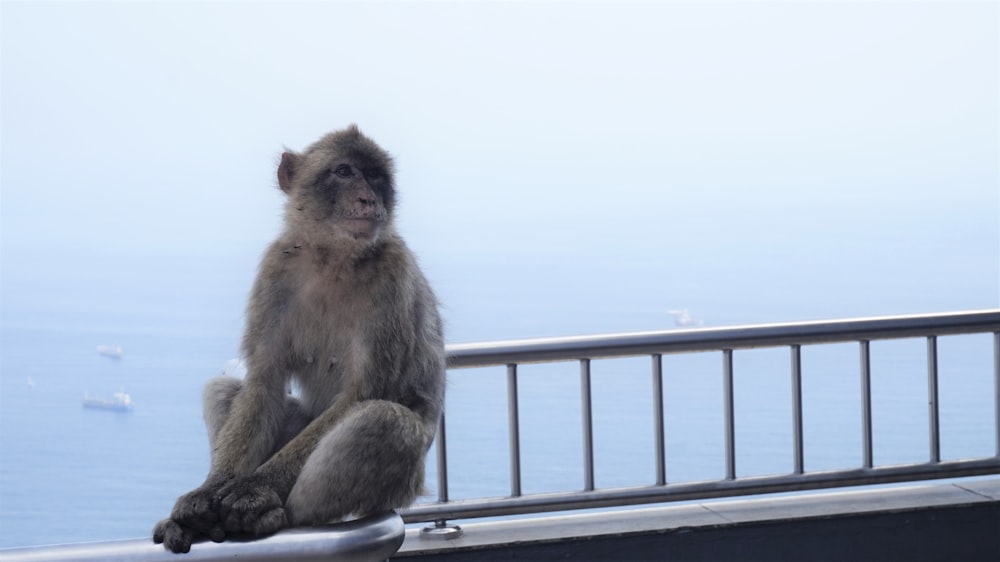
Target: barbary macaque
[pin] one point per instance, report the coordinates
(340, 308)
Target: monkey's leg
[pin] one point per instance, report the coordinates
(193, 515)
(372, 461)
(218, 400)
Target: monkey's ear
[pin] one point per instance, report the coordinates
(286, 170)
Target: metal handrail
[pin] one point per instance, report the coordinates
(715, 339)
(373, 538)
(584, 349)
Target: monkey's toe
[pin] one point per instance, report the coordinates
(159, 530)
(217, 534)
(174, 537)
(270, 522)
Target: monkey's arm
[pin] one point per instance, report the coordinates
(251, 430)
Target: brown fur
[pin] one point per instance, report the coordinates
(341, 307)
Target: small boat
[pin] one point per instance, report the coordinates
(684, 319)
(112, 351)
(121, 402)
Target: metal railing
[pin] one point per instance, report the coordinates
(724, 340)
(373, 538)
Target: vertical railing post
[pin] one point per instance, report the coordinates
(515, 433)
(661, 459)
(729, 421)
(588, 426)
(441, 529)
(932, 400)
(798, 456)
(996, 390)
(441, 452)
(866, 405)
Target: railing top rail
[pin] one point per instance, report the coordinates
(376, 537)
(731, 337)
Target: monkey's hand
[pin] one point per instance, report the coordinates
(193, 517)
(251, 506)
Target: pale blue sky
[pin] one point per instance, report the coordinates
(774, 136)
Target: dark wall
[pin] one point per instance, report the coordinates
(959, 534)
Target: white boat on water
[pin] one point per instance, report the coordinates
(120, 402)
(112, 351)
(684, 319)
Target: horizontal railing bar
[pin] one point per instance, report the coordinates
(712, 339)
(613, 497)
(373, 538)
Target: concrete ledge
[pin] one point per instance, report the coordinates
(956, 521)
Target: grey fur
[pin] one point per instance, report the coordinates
(340, 307)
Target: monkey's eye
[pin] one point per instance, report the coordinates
(373, 174)
(344, 171)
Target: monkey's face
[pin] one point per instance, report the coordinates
(340, 189)
(352, 198)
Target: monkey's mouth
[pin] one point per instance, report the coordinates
(361, 227)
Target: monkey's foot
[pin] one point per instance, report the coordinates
(251, 508)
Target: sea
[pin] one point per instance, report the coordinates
(70, 474)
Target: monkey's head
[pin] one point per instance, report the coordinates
(340, 190)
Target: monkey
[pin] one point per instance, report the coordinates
(341, 309)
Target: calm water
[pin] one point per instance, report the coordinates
(69, 474)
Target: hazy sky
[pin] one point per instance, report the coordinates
(779, 133)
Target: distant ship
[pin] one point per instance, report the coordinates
(112, 351)
(121, 402)
(684, 319)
